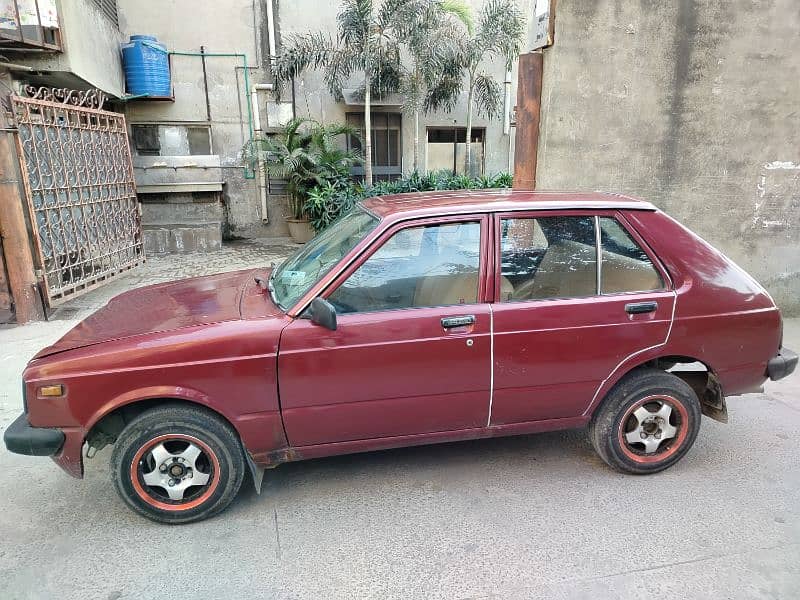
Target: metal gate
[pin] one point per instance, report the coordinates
(78, 175)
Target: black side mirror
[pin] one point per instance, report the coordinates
(323, 313)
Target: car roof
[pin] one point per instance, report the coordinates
(419, 204)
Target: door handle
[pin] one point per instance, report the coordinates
(450, 322)
(638, 308)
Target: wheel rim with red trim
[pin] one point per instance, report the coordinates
(175, 472)
(653, 429)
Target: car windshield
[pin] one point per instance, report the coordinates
(304, 268)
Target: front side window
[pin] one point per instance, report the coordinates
(625, 266)
(303, 269)
(431, 265)
(547, 257)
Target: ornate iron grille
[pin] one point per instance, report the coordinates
(78, 176)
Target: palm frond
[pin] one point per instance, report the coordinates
(501, 28)
(445, 93)
(300, 52)
(355, 20)
(461, 11)
(488, 95)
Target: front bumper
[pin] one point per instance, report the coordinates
(781, 365)
(21, 438)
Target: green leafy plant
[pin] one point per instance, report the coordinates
(326, 202)
(306, 154)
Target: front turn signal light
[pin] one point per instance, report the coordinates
(51, 391)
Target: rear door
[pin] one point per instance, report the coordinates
(411, 353)
(577, 293)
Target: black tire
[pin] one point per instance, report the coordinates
(167, 432)
(617, 420)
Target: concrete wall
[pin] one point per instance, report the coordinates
(229, 27)
(90, 43)
(313, 99)
(693, 105)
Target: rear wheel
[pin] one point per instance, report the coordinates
(176, 464)
(647, 423)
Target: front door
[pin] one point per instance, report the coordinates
(562, 325)
(411, 353)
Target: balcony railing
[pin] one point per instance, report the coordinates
(29, 24)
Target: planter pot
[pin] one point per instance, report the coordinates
(300, 230)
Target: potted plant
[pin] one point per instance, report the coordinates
(306, 154)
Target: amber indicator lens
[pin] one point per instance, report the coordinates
(51, 390)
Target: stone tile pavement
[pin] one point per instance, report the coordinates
(240, 254)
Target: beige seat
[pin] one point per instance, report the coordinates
(440, 290)
(443, 290)
(568, 270)
(625, 274)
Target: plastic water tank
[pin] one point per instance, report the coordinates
(146, 64)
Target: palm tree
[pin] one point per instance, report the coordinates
(305, 154)
(432, 46)
(366, 44)
(499, 32)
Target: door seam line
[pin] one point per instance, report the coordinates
(491, 365)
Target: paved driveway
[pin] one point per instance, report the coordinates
(527, 517)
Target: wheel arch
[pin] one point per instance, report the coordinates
(107, 425)
(704, 381)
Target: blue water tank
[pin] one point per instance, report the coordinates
(146, 64)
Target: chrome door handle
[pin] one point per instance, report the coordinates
(638, 308)
(450, 322)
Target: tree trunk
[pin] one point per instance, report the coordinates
(468, 152)
(367, 132)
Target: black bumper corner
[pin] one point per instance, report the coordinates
(781, 365)
(21, 438)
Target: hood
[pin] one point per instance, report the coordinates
(160, 307)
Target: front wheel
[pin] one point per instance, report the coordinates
(647, 423)
(177, 464)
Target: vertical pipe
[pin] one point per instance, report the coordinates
(271, 30)
(455, 146)
(529, 101)
(205, 83)
(507, 104)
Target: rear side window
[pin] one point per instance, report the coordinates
(625, 267)
(548, 257)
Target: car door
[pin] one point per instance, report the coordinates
(411, 351)
(561, 324)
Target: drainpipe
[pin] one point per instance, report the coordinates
(507, 104)
(260, 183)
(271, 30)
(507, 115)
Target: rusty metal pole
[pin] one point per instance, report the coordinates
(16, 244)
(529, 103)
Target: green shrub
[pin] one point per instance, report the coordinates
(330, 199)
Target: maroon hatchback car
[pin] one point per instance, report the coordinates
(414, 319)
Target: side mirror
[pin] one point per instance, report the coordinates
(323, 313)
